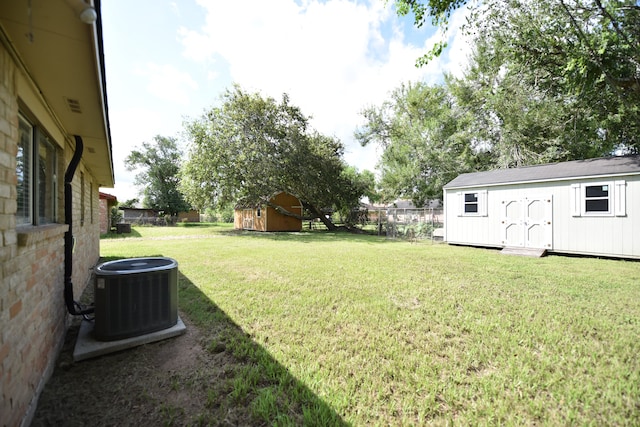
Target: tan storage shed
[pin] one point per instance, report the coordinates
(264, 217)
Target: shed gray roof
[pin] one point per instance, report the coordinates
(605, 166)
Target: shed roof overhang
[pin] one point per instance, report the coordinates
(63, 57)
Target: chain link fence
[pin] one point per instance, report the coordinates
(408, 223)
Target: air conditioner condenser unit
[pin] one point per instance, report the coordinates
(135, 296)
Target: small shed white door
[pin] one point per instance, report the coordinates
(527, 222)
(247, 219)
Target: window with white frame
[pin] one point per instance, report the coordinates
(473, 203)
(37, 174)
(599, 198)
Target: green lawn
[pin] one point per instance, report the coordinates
(334, 328)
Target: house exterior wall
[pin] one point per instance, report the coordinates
(612, 235)
(32, 310)
(105, 216)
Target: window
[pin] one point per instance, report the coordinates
(599, 199)
(259, 213)
(23, 172)
(596, 198)
(473, 203)
(36, 171)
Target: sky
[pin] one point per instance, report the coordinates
(168, 61)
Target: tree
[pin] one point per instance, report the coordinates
(548, 81)
(130, 203)
(424, 140)
(158, 163)
(437, 12)
(584, 44)
(589, 41)
(252, 147)
(583, 52)
(517, 119)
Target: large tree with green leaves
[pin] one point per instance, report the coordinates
(518, 120)
(158, 165)
(548, 81)
(424, 140)
(585, 53)
(589, 41)
(251, 147)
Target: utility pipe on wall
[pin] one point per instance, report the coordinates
(72, 306)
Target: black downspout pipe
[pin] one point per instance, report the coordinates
(68, 236)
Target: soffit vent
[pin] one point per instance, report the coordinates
(74, 105)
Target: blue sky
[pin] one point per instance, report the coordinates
(169, 60)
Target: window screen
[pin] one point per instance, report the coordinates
(36, 173)
(23, 172)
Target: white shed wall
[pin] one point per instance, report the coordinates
(617, 236)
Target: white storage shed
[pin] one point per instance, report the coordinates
(589, 207)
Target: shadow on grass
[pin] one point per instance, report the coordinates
(215, 374)
(256, 384)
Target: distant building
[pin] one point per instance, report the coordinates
(106, 202)
(189, 216)
(263, 217)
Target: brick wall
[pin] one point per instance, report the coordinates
(33, 315)
(105, 217)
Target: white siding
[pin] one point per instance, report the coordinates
(617, 234)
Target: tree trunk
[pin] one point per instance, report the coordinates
(318, 214)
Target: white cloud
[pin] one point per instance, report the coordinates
(460, 44)
(167, 82)
(330, 57)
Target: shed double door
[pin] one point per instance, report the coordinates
(247, 219)
(527, 222)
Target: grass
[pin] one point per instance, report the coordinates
(334, 328)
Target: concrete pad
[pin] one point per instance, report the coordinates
(88, 347)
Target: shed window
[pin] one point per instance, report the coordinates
(606, 198)
(471, 203)
(259, 212)
(596, 198)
